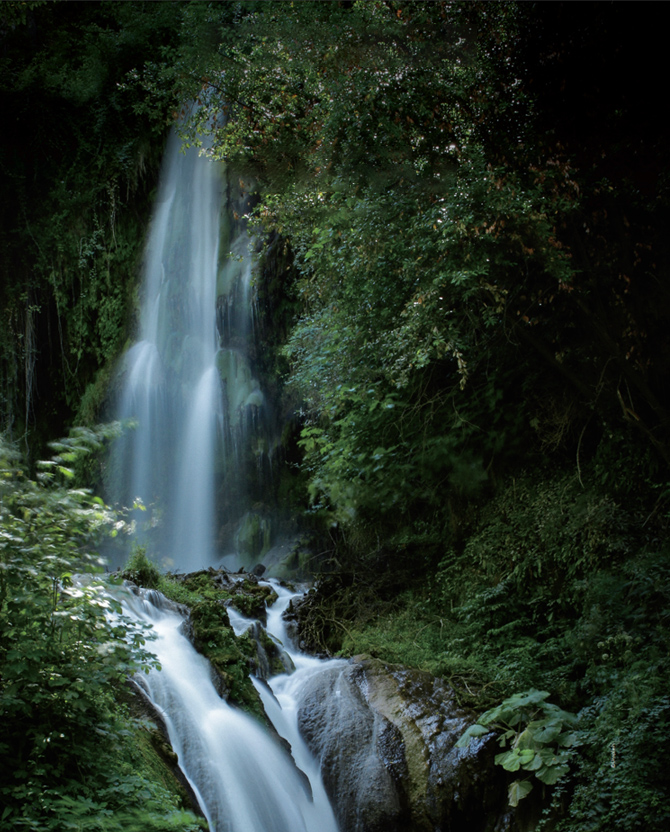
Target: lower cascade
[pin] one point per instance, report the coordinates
(242, 777)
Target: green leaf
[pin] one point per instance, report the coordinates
(549, 733)
(548, 756)
(473, 731)
(492, 715)
(523, 700)
(551, 774)
(568, 740)
(514, 759)
(536, 763)
(526, 755)
(507, 759)
(526, 739)
(518, 790)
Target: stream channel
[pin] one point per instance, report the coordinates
(243, 778)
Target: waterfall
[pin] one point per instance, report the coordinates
(280, 698)
(188, 384)
(245, 781)
(192, 464)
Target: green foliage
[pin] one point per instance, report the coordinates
(65, 747)
(140, 570)
(444, 248)
(623, 640)
(537, 540)
(537, 733)
(411, 634)
(621, 779)
(388, 197)
(78, 160)
(479, 283)
(483, 292)
(553, 586)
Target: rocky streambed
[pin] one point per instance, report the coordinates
(384, 738)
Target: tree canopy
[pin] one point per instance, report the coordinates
(471, 280)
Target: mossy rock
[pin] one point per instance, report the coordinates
(214, 638)
(207, 594)
(254, 537)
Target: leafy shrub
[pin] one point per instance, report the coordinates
(140, 570)
(538, 734)
(555, 587)
(66, 748)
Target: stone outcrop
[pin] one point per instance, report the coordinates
(386, 739)
(362, 764)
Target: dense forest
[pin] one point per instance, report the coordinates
(462, 213)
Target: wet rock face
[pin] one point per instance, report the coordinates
(362, 763)
(386, 739)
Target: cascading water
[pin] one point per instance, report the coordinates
(243, 779)
(189, 386)
(187, 383)
(281, 700)
(281, 694)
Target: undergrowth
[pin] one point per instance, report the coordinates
(69, 750)
(556, 587)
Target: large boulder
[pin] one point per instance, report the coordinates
(362, 762)
(385, 736)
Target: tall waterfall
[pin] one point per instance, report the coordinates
(198, 442)
(188, 383)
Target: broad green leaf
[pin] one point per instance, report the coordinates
(548, 756)
(551, 774)
(530, 697)
(518, 790)
(548, 734)
(509, 760)
(526, 740)
(492, 715)
(473, 731)
(512, 760)
(536, 763)
(526, 755)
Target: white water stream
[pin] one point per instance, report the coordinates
(243, 778)
(188, 383)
